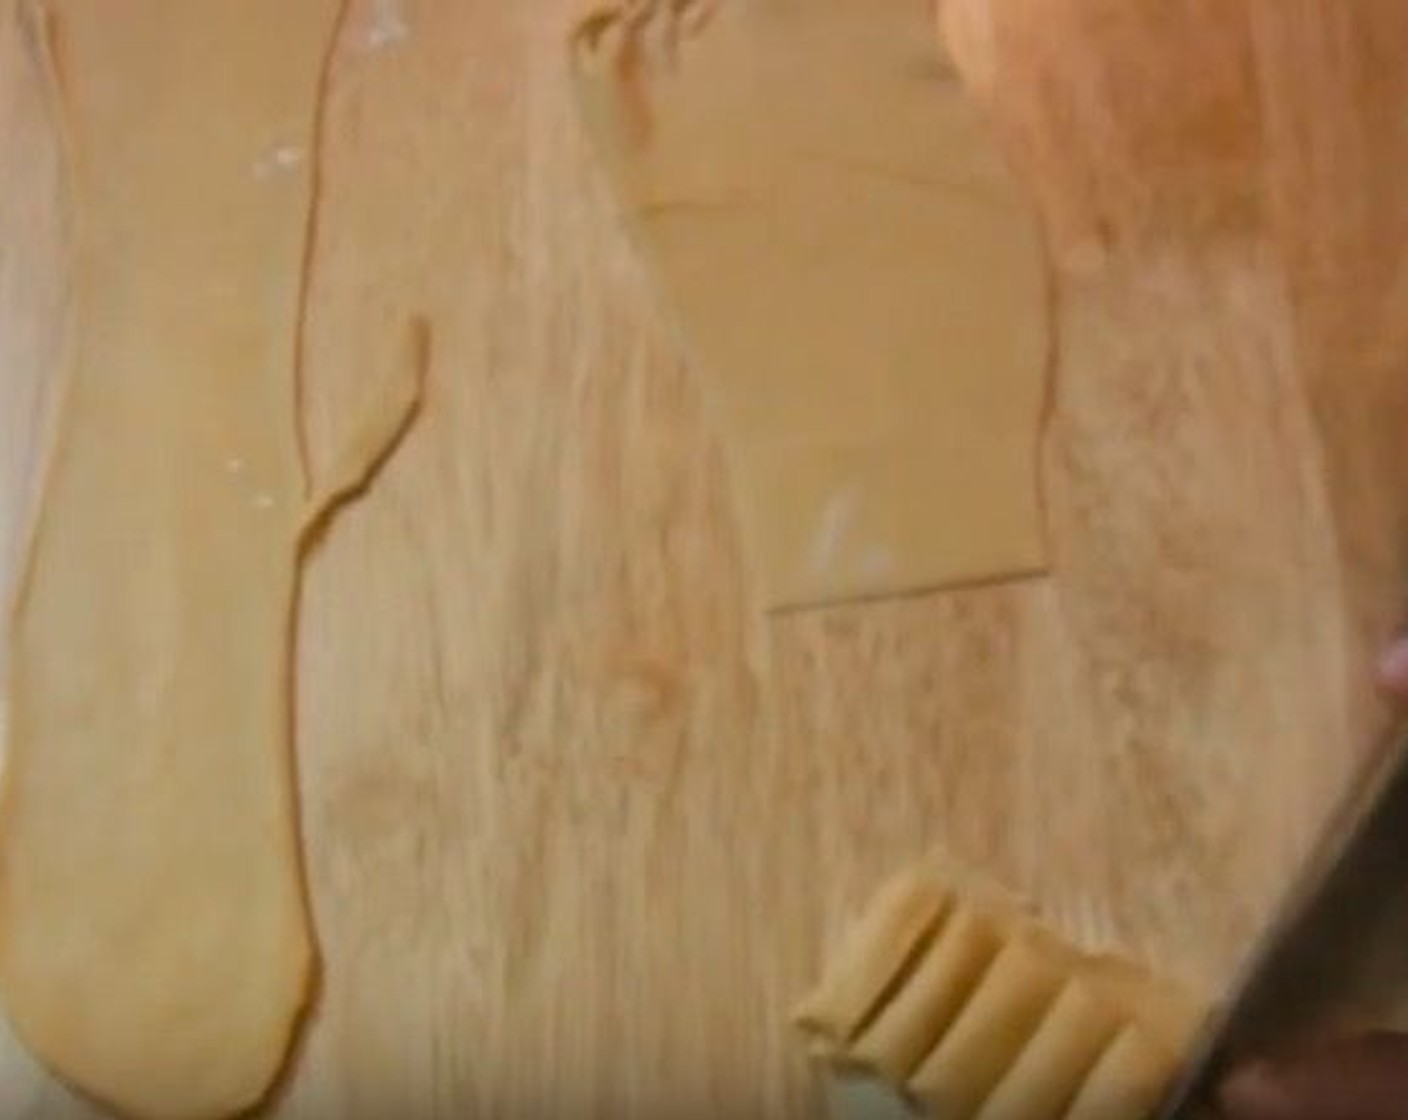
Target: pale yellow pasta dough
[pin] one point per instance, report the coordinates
(994, 1017)
(923, 1007)
(902, 917)
(1129, 1080)
(847, 257)
(989, 1034)
(154, 941)
(1051, 1068)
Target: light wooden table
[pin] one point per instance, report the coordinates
(580, 820)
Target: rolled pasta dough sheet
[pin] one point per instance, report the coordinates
(154, 940)
(848, 259)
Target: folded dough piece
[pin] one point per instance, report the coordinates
(992, 1028)
(1050, 1069)
(898, 925)
(154, 941)
(924, 1006)
(951, 991)
(850, 261)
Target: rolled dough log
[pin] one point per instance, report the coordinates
(986, 1038)
(925, 1005)
(154, 941)
(850, 261)
(1129, 1080)
(1057, 1058)
(997, 1018)
(897, 926)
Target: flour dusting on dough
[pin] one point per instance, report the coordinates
(388, 25)
(836, 518)
(878, 562)
(187, 955)
(282, 157)
(263, 501)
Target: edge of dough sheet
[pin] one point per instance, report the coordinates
(35, 19)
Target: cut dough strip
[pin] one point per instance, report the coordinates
(155, 949)
(949, 989)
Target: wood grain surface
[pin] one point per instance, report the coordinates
(580, 820)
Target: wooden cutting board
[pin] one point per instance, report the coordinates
(580, 820)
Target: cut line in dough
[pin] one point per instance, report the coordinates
(847, 257)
